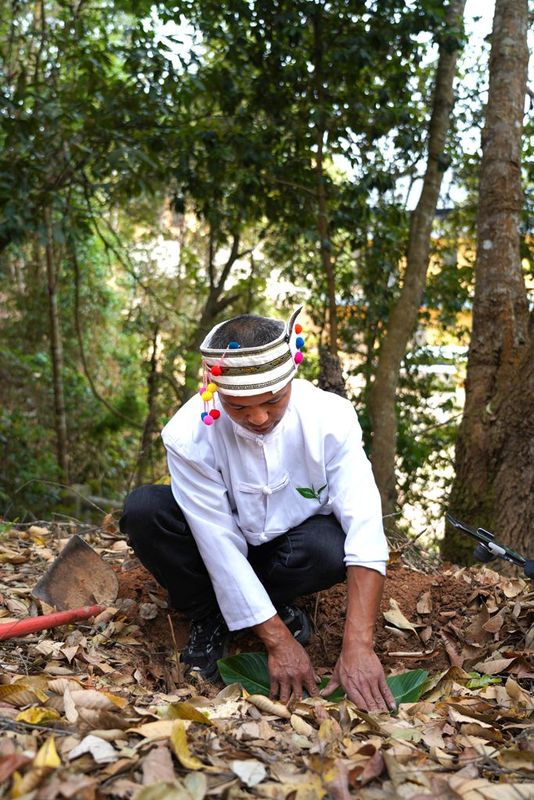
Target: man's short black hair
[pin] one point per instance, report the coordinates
(247, 330)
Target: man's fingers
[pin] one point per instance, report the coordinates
(310, 684)
(364, 699)
(297, 689)
(330, 687)
(376, 695)
(285, 691)
(274, 689)
(358, 699)
(379, 704)
(387, 695)
(369, 696)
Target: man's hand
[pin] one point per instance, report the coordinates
(290, 668)
(358, 669)
(360, 673)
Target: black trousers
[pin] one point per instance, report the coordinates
(306, 559)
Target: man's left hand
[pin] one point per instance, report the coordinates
(359, 672)
(358, 669)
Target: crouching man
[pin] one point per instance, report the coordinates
(271, 497)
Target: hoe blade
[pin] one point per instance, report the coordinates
(78, 577)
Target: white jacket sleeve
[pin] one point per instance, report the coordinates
(201, 494)
(354, 496)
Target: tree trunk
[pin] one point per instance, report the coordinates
(215, 304)
(56, 353)
(330, 373)
(495, 441)
(151, 418)
(78, 326)
(404, 313)
(514, 478)
(330, 376)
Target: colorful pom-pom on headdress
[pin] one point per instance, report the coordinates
(207, 392)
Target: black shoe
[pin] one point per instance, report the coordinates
(298, 623)
(207, 643)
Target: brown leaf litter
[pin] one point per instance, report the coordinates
(102, 709)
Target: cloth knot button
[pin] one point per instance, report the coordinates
(267, 490)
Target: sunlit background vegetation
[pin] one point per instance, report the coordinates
(158, 172)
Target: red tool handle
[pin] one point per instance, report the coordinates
(8, 630)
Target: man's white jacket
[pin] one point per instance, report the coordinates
(237, 488)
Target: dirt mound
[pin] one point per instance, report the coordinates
(455, 616)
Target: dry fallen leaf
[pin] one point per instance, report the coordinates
(162, 729)
(301, 726)
(269, 706)
(181, 747)
(424, 603)
(103, 752)
(186, 711)
(47, 756)
(36, 715)
(395, 617)
(250, 772)
(157, 766)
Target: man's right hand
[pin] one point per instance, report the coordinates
(290, 669)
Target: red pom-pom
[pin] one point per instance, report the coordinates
(215, 413)
(298, 328)
(216, 370)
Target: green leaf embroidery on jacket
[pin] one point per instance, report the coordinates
(311, 494)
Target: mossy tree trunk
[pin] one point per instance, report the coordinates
(494, 452)
(56, 351)
(404, 314)
(330, 372)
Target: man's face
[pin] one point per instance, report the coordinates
(259, 413)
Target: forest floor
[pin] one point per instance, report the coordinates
(103, 709)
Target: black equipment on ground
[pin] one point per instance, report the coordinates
(487, 549)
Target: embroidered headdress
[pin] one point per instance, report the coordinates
(246, 371)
